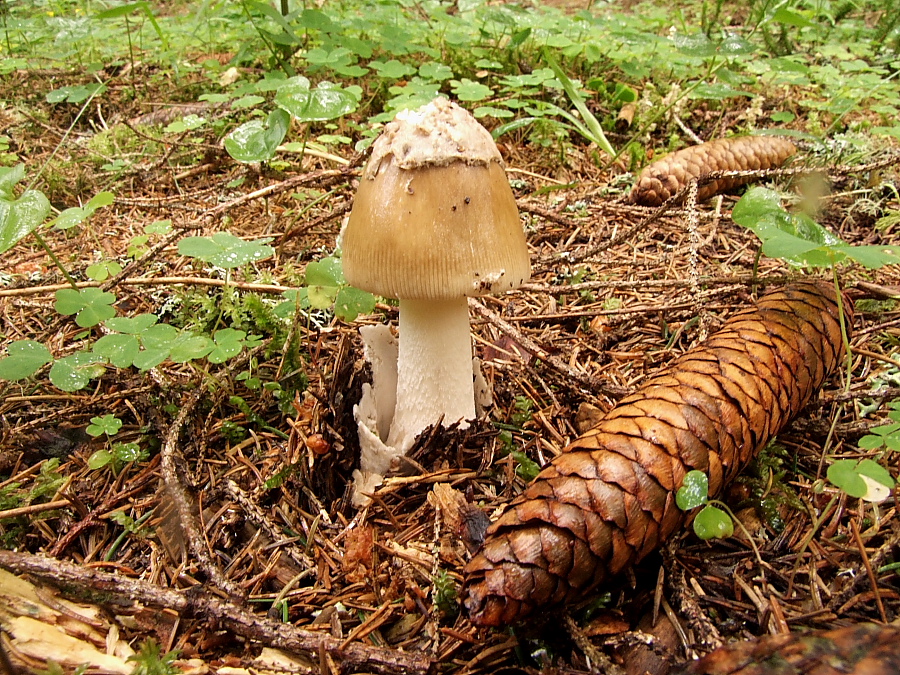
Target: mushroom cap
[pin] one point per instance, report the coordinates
(434, 216)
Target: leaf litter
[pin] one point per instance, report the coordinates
(248, 543)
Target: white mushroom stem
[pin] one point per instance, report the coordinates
(434, 368)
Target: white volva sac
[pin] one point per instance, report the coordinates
(434, 220)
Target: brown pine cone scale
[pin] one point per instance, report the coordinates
(608, 499)
(664, 178)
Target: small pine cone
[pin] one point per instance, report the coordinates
(608, 500)
(665, 178)
(862, 649)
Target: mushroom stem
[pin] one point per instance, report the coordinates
(434, 368)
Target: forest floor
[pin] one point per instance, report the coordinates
(233, 529)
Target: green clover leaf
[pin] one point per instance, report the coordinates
(108, 424)
(25, 358)
(225, 250)
(90, 305)
(694, 491)
(713, 523)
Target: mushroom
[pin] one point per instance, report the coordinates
(434, 220)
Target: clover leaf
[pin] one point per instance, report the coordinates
(78, 214)
(18, 217)
(228, 343)
(257, 141)
(713, 523)
(693, 492)
(863, 479)
(108, 424)
(89, 305)
(73, 372)
(325, 102)
(25, 358)
(225, 250)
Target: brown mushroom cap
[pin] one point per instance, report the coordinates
(434, 216)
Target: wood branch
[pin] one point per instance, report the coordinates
(863, 649)
(127, 593)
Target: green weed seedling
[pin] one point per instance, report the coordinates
(149, 660)
(325, 288)
(864, 479)
(798, 239)
(103, 270)
(885, 435)
(523, 410)
(258, 141)
(78, 93)
(137, 245)
(107, 424)
(78, 214)
(117, 456)
(715, 520)
(526, 468)
(445, 594)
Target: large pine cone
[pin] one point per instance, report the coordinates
(609, 499)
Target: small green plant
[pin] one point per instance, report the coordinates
(526, 468)
(107, 424)
(798, 239)
(225, 250)
(75, 93)
(25, 357)
(885, 435)
(19, 216)
(90, 306)
(257, 141)
(714, 521)
(74, 372)
(103, 270)
(864, 479)
(765, 478)
(325, 287)
(129, 524)
(150, 661)
(445, 594)
(117, 456)
(523, 410)
(253, 417)
(79, 214)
